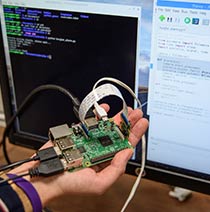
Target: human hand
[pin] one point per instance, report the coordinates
(89, 180)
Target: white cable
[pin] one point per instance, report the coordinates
(138, 179)
(144, 104)
(96, 95)
(143, 161)
(121, 84)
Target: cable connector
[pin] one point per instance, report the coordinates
(100, 112)
(47, 154)
(47, 168)
(90, 114)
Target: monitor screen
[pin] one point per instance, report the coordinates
(161, 49)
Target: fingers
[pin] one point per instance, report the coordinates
(117, 117)
(105, 106)
(134, 116)
(138, 129)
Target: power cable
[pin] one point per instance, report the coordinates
(28, 100)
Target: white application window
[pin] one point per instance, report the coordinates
(179, 101)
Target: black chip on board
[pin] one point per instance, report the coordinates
(105, 140)
(82, 149)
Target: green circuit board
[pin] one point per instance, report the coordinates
(85, 145)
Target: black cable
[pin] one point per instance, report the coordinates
(42, 155)
(45, 169)
(13, 178)
(26, 101)
(12, 165)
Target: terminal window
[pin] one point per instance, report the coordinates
(69, 48)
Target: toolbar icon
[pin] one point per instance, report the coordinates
(162, 18)
(169, 19)
(187, 20)
(195, 21)
(205, 22)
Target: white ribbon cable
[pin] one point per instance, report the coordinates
(97, 94)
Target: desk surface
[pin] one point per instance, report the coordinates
(150, 197)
